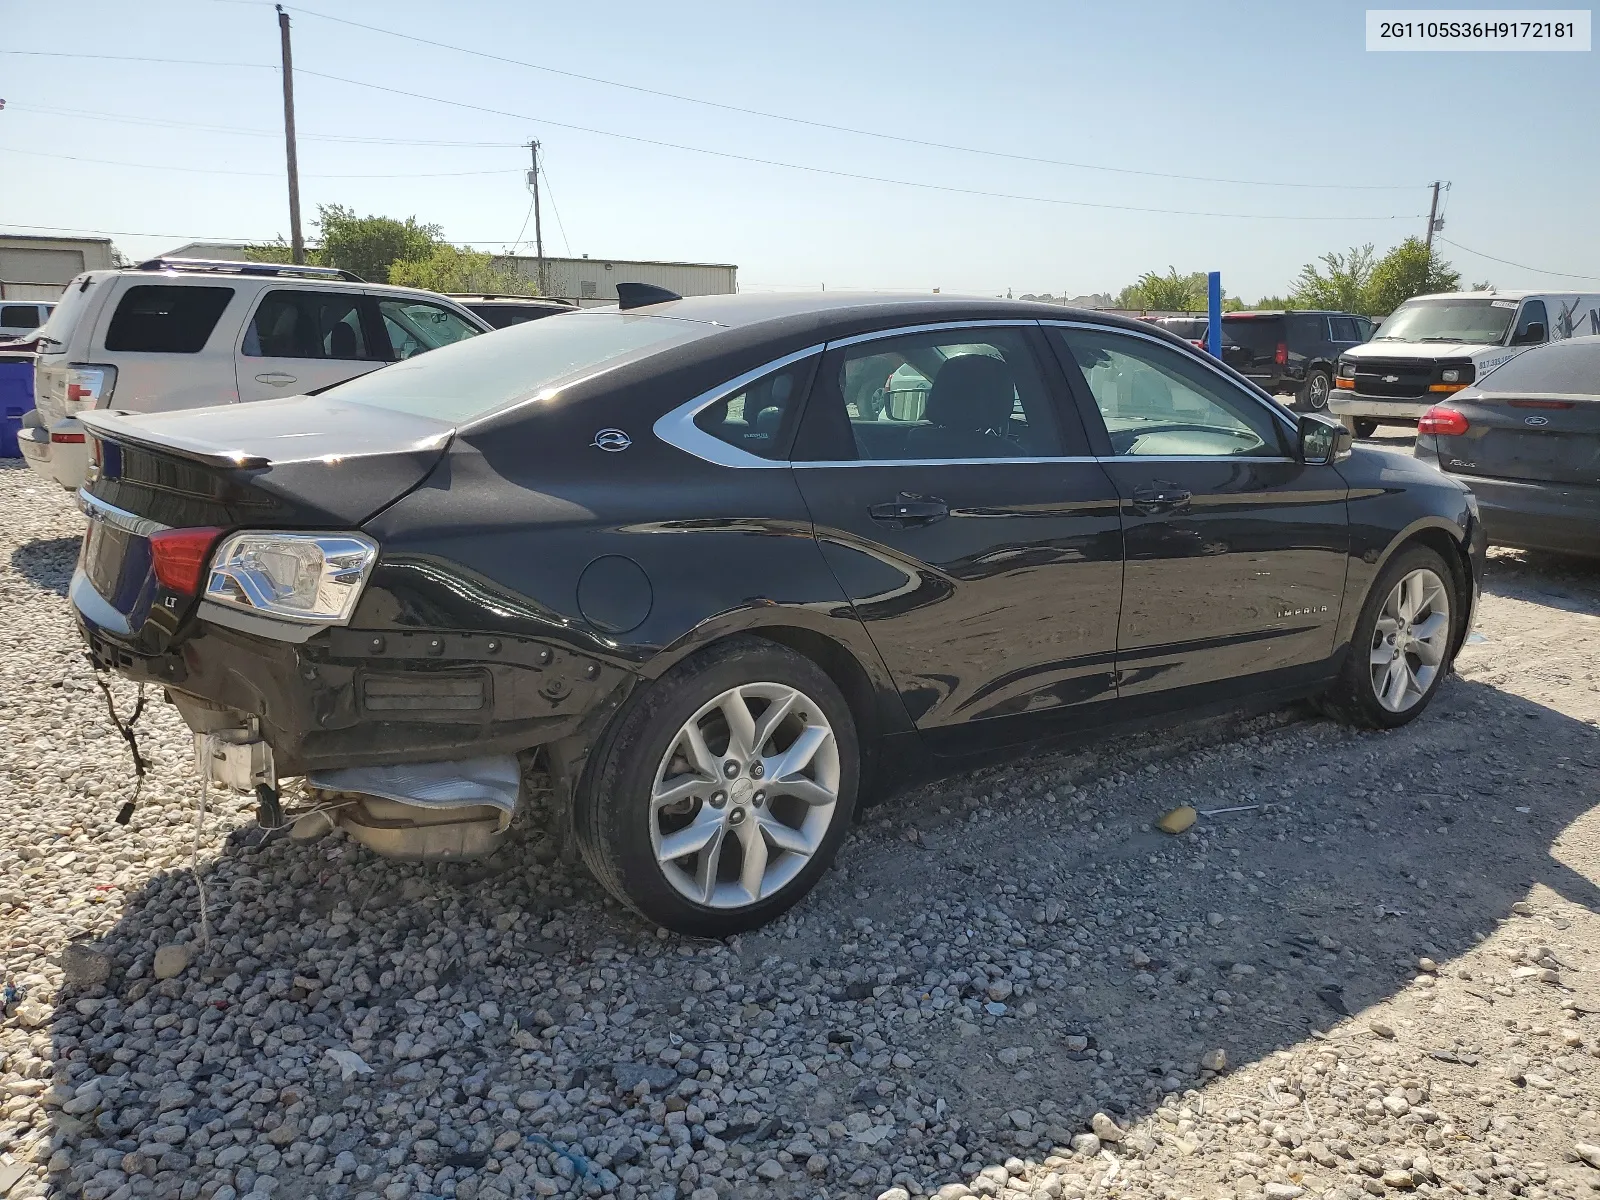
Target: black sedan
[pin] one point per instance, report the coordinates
(723, 567)
(1526, 438)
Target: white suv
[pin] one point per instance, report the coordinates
(186, 333)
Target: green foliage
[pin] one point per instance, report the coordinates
(1404, 272)
(450, 268)
(1172, 292)
(1269, 303)
(1345, 285)
(277, 251)
(370, 245)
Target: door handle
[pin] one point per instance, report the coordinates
(1158, 498)
(276, 379)
(910, 510)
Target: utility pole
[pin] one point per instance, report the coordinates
(1433, 219)
(297, 244)
(538, 229)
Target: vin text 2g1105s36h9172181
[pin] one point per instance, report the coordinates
(726, 565)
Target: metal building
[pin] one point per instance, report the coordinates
(39, 268)
(593, 281)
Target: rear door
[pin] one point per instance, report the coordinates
(300, 339)
(1235, 550)
(959, 508)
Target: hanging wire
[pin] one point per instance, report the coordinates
(555, 209)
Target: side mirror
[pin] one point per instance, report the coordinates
(1533, 335)
(1322, 440)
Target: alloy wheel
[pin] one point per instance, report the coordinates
(1410, 640)
(744, 795)
(1317, 392)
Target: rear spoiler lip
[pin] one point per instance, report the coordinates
(114, 425)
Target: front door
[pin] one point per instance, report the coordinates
(298, 340)
(1235, 549)
(955, 502)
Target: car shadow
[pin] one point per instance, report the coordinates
(47, 563)
(1368, 850)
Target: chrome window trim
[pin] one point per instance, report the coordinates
(989, 462)
(935, 327)
(97, 509)
(1274, 408)
(678, 430)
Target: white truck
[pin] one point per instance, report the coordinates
(1432, 346)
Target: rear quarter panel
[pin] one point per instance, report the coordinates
(148, 382)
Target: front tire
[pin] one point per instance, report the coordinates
(1402, 646)
(722, 793)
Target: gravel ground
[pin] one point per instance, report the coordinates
(1382, 979)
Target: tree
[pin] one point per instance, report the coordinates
(1171, 292)
(1406, 271)
(450, 268)
(1344, 288)
(1269, 303)
(368, 245)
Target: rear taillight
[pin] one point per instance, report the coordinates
(88, 387)
(181, 557)
(1556, 405)
(1443, 421)
(1281, 354)
(72, 439)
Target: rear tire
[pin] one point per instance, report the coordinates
(684, 821)
(1313, 395)
(1402, 646)
(1365, 427)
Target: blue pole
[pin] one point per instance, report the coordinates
(1214, 307)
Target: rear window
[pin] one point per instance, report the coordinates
(1566, 368)
(19, 316)
(470, 378)
(502, 315)
(1261, 334)
(156, 318)
(57, 328)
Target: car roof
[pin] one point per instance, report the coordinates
(1497, 294)
(203, 278)
(823, 310)
(1284, 312)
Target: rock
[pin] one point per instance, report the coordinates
(1382, 1030)
(1399, 1180)
(895, 1193)
(1427, 965)
(1086, 1144)
(817, 1164)
(171, 960)
(770, 1169)
(33, 1013)
(1214, 1060)
(1522, 908)
(1589, 1153)
(84, 966)
(1282, 1191)
(509, 1139)
(1105, 1128)
(1177, 820)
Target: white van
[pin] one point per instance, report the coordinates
(186, 333)
(1432, 346)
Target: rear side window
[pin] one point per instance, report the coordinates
(1344, 329)
(1261, 334)
(307, 325)
(155, 318)
(760, 419)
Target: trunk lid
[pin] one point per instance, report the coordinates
(296, 463)
(1543, 437)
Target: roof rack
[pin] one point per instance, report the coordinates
(222, 266)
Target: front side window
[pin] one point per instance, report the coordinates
(156, 318)
(759, 418)
(1158, 402)
(1344, 329)
(295, 324)
(415, 326)
(1533, 313)
(963, 394)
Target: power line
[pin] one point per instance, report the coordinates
(202, 237)
(1506, 262)
(525, 218)
(769, 162)
(163, 123)
(872, 133)
(171, 62)
(114, 162)
(545, 171)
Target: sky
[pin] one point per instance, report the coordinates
(1131, 93)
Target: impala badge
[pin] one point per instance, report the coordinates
(1536, 420)
(612, 440)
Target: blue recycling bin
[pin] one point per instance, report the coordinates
(16, 398)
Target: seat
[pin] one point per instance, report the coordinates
(342, 342)
(968, 411)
